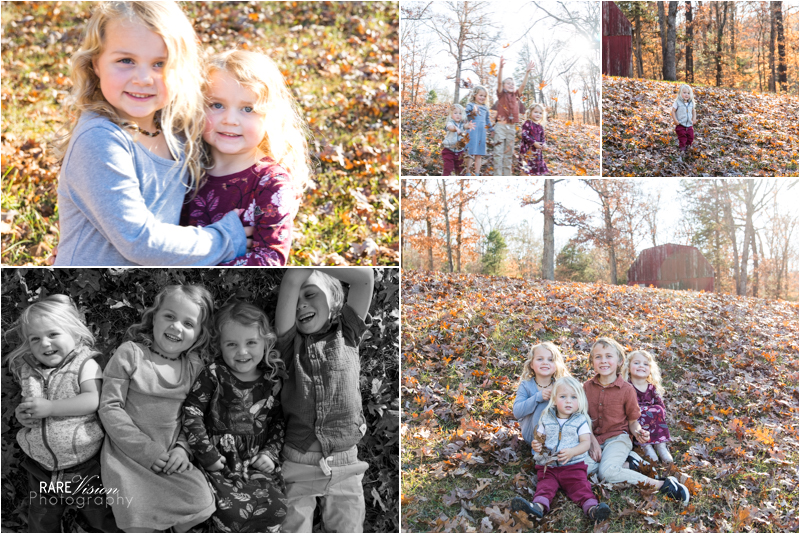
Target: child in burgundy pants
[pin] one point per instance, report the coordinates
(566, 428)
(684, 115)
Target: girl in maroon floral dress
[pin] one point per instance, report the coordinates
(257, 154)
(643, 373)
(533, 142)
(233, 421)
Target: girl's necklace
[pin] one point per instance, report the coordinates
(175, 359)
(552, 380)
(141, 130)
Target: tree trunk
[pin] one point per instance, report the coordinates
(669, 56)
(748, 236)
(720, 29)
(689, 43)
(772, 32)
(429, 233)
(548, 242)
(781, 45)
(446, 211)
(662, 27)
(756, 256)
(734, 64)
(730, 227)
(459, 229)
(637, 36)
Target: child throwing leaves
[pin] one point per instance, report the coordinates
(533, 142)
(684, 115)
(641, 370)
(454, 142)
(508, 100)
(566, 429)
(544, 366)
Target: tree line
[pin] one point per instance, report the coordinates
(738, 225)
(468, 33)
(748, 45)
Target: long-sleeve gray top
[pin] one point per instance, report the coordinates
(119, 204)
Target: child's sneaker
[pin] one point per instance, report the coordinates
(663, 452)
(674, 489)
(599, 512)
(635, 462)
(518, 504)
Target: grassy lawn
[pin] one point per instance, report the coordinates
(340, 61)
(730, 369)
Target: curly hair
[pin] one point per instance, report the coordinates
(655, 371)
(142, 332)
(247, 314)
(285, 139)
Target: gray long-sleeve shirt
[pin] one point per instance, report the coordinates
(120, 204)
(528, 407)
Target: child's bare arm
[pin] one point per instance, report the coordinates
(361, 282)
(451, 127)
(500, 74)
(636, 429)
(287, 298)
(672, 114)
(694, 116)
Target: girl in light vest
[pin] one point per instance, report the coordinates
(684, 115)
(565, 428)
(61, 435)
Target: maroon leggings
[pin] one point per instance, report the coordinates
(571, 478)
(685, 136)
(452, 161)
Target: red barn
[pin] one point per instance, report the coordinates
(672, 267)
(617, 42)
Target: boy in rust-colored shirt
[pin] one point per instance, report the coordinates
(505, 130)
(318, 338)
(615, 414)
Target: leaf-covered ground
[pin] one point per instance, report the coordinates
(730, 370)
(574, 148)
(114, 299)
(340, 61)
(737, 133)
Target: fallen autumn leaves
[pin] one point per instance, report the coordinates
(738, 133)
(731, 374)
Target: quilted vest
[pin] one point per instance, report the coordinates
(560, 437)
(59, 442)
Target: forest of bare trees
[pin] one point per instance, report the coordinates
(740, 44)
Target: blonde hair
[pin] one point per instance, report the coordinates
(655, 372)
(475, 92)
(456, 107)
(583, 404)
(558, 360)
(183, 114)
(678, 98)
(609, 342)
(286, 135)
(543, 122)
(61, 310)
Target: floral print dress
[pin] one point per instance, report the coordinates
(270, 200)
(531, 159)
(654, 415)
(225, 417)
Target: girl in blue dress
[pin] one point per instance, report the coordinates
(478, 113)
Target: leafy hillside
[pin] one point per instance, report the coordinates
(738, 133)
(574, 148)
(730, 369)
